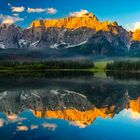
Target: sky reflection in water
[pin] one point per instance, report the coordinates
(125, 125)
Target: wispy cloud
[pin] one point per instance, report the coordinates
(41, 10)
(51, 10)
(22, 128)
(16, 15)
(78, 124)
(17, 9)
(131, 114)
(9, 4)
(78, 13)
(36, 10)
(49, 126)
(34, 127)
(134, 26)
(10, 19)
(134, 115)
(12, 117)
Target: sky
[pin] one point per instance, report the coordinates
(23, 12)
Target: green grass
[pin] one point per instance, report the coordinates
(100, 66)
(99, 69)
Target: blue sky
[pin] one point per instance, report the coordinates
(23, 12)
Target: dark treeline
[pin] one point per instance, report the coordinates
(123, 70)
(46, 65)
(123, 66)
(123, 75)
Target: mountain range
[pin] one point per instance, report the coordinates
(82, 35)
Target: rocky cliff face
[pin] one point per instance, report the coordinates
(136, 35)
(86, 20)
(135, 42)
(9, 36)
(79, 35)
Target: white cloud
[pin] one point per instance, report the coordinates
(17, 9)
(16, 15)
(22, 128)
(12, 117)
(79, 13)
(78, 123)
(134, 26)
(137, 25)
(9, 19)
(41, 10)
(34, 127)
(36, 10)
(51, 11)
(49, 126)
(134, 115)
(131, 114)
(9, 4)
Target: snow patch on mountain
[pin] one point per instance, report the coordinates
(2, 46)
(66, 45)
(3, 95)
(24, 43)
(55, 46)
(73, 92)
(76, 45)
(34, 44)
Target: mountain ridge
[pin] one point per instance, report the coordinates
(88, 20)
(83, 34)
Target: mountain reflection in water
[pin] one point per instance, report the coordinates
(44, 107)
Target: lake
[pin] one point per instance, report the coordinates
(83, 107)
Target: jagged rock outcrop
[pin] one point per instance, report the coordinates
(86, 20)
(135, 42)
(135, 105)
(9, 36)
(82, 117)
(136, 35)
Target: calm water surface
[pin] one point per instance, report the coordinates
(69, 108)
